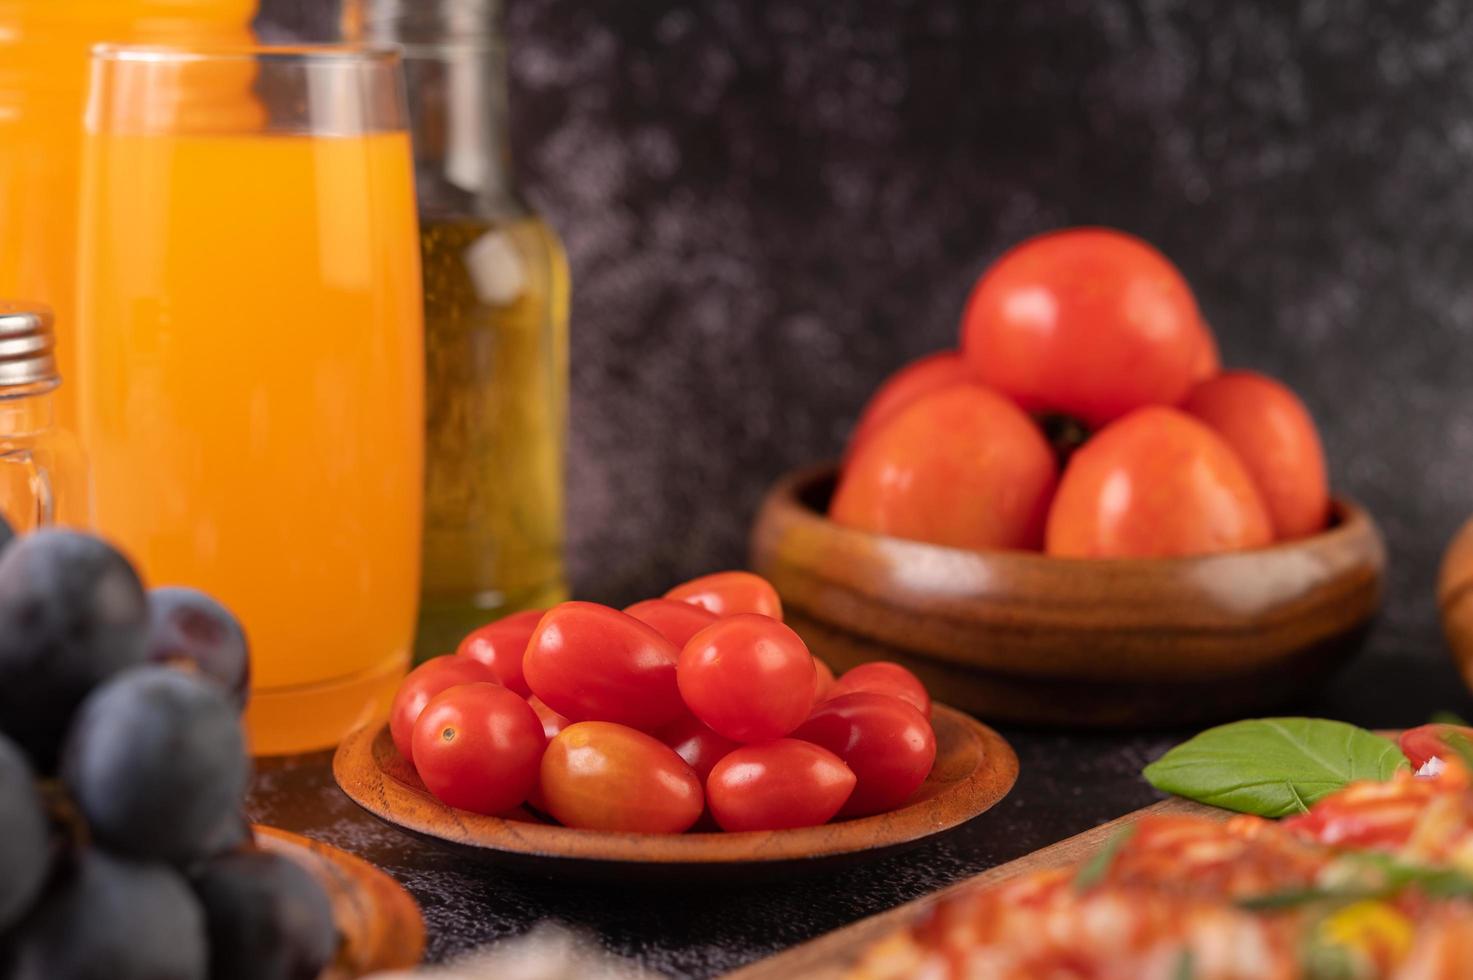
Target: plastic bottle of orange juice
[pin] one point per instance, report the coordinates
(44, 48)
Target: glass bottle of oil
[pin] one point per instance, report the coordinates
(496, 311)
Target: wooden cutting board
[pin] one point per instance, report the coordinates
(830, 956)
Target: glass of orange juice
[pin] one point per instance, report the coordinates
(250, 347)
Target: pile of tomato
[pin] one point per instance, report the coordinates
(698, 707)
(1085, 415)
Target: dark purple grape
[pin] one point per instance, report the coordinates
(266, 917)
(156, 763)
(72, 614)
(109, 918)
(25, 844)
(190, 630)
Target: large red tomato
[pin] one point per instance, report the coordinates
(478, 747)
(423, 683)
(748, 677)
(778, 786)
(961, 467)
(914, 381)
(1273, 434)
(888, 745)
(589, 662)
(730, 594)
(1090, 322)
(1157, 483)
(601, 776)
(500, 646)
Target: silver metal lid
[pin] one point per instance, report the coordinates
(27, 345)
(421, 21)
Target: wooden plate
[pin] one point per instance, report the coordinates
(380, 924)
(974, 769)
(1023, 637)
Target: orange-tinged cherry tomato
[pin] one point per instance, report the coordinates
(1157, 483)
(1208, 362)
(601, 776)
(961, 467)
(478, 747)
(884, 677)
(748, 677)
(917, 379)
(589, 662)
(1428, 741)
(1273, 434)
(1090, 322)
(778, 785)
(825, 679)
(422, 684)
(500, 646)
(674, 620)
(730, 594)
(887, 743)
(696, 743)
(552, 722)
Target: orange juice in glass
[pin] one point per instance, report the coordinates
(251, 358)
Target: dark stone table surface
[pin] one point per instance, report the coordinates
(1069, 782)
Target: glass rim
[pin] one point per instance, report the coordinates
(364, 53)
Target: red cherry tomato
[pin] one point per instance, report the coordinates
(825, 679)
(478, 747)
(778, 786)
(422, 684)
(552, 722)
(1427, 741)
(589, 662)
(1208, 362)
(694, 742)
(887, 743)
(961, 467)
(883, 677)
(1090, 322)
(1157, 483)
(1273, 434)
(500, 646)
(601, 776)
(730, 594)
(917, 379)
(675, 621)
(748, 677)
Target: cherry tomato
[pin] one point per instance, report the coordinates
(884, 677)
(1157, 483)
(730, 594)
(478, 747)
(674, 620)
(1273, 434)
(778, 786)
(422, 684)
(1208, 362)
(748, 677)
(589, 662)
(500, 646)
(917, 379)
(961, 467)
(552, 722)
(602, 776)
(887, 743)
(1428, 741)
(696, 743)
(1090, 322)
(825, 679)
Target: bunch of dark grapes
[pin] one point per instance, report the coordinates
(124, 849)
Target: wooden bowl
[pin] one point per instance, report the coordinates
(380, 924)
(1021, 637)
(974, 769)
(1455, 600)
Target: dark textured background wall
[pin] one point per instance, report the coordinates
(770, 205)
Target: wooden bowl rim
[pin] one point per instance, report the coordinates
(371, 787)
(1350, 521)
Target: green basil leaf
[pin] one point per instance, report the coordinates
(1273, 767)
